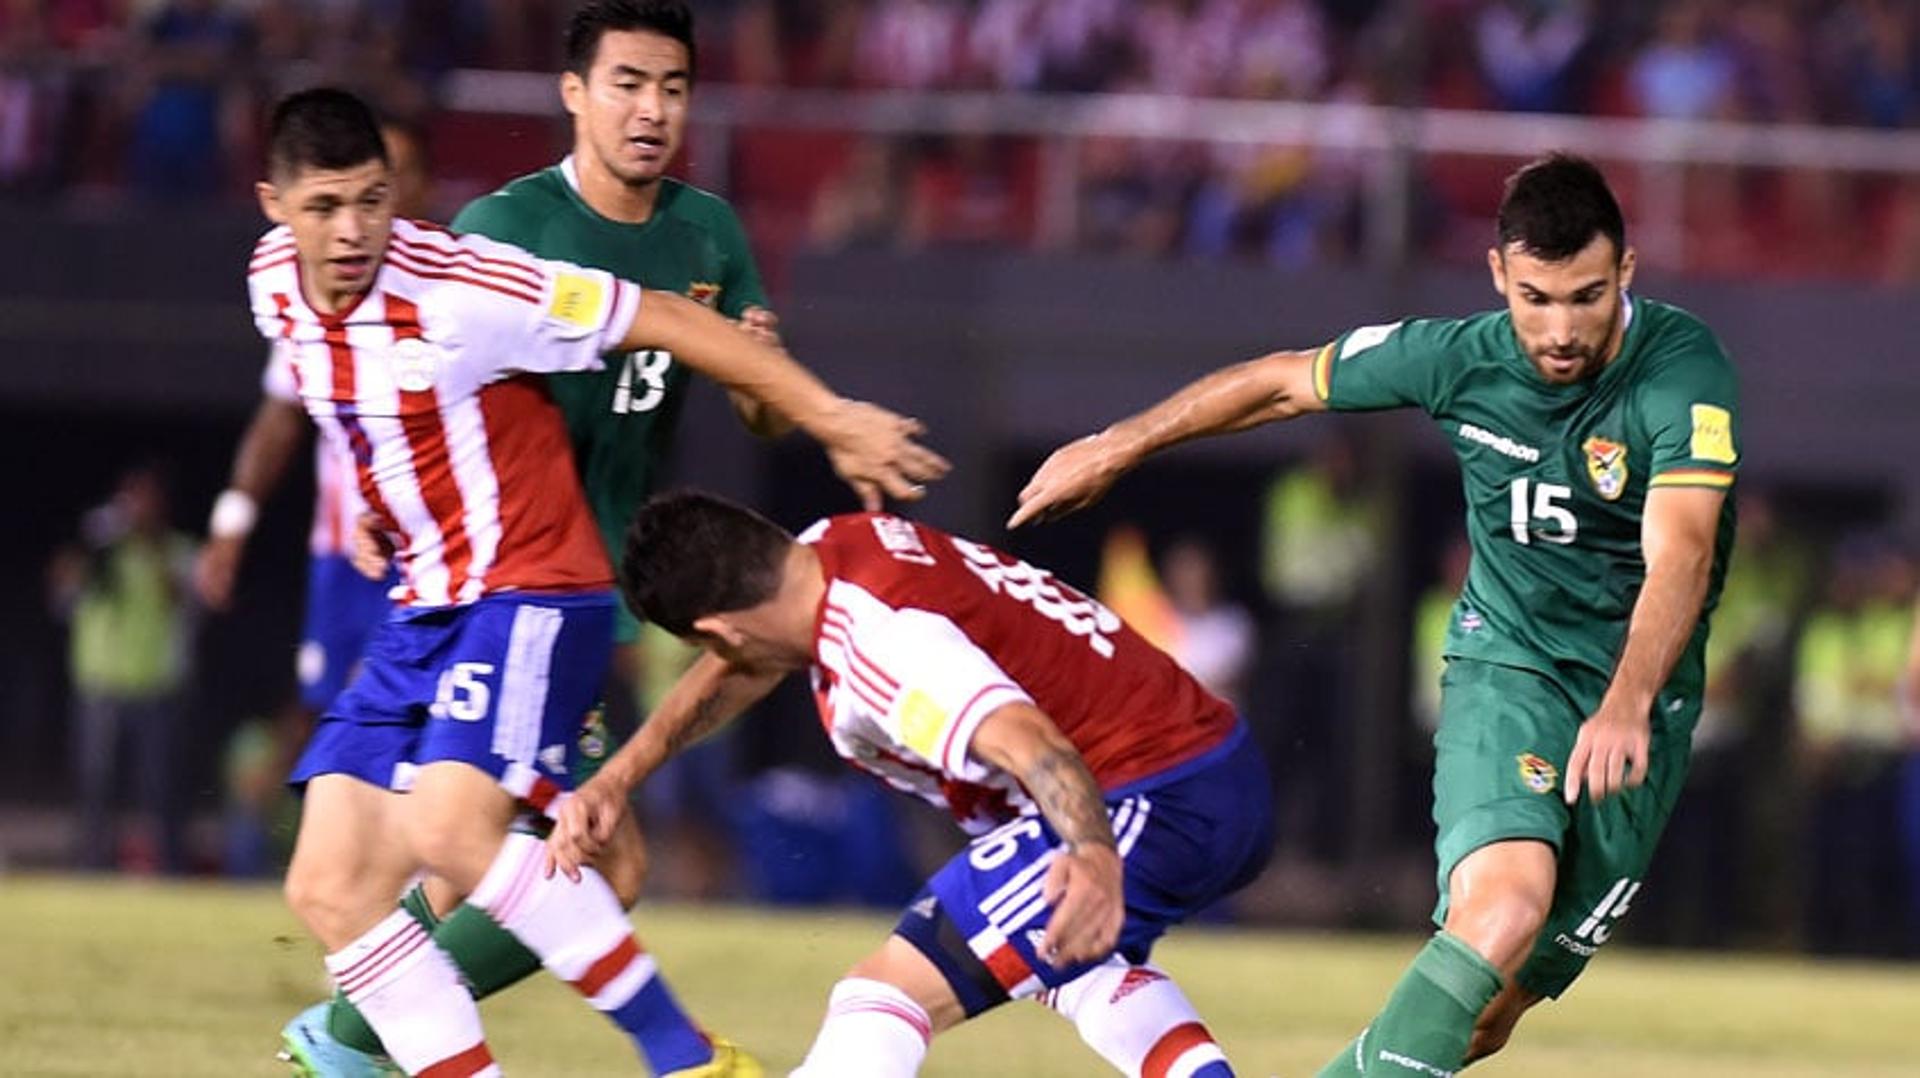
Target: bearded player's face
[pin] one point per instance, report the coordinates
(631, 109)
(1566, 314)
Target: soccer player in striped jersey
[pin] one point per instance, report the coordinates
(417, 352)
(1111, 796)
(1598, 441)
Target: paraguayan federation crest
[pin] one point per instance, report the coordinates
(1538, 775)
(1606, 466)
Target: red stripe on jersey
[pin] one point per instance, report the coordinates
(282, 303)
(862, 671)
(1173, 1044)
(854, 684)
(410, 265)
(548, 540)
(462, 1065)
(838, 616)
(607, 967)
(432, 462)
(518, 271)
(343, 394)
(1008, 967)
(270, 264)
(960, 719)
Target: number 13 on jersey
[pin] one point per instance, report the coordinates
(643, 382)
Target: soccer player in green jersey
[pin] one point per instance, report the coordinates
(1598, 438)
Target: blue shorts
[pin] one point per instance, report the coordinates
(503, 684)
(343, 609)
(1188, 838)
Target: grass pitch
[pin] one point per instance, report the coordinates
(110, 978)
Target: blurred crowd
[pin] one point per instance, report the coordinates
(162, 99)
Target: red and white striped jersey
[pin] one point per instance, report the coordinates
(337, 503)
(427, 384)
(923, 634)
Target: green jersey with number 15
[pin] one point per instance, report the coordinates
(622, 419)
(1556, 476)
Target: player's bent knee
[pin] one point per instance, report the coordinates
(1500, 925)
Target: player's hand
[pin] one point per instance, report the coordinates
(370, 550)
(875, 452)
(216, 568)
(1610, 754)
(762, 325)
(1074, 477)
(1083, 887)
(584, 823)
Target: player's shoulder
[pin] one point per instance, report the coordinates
(519, 204)
(273, 249)
(882, 552)
(1679, 341)
(697, 206)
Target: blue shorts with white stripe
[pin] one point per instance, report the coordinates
(503, 684)
(1187, 839)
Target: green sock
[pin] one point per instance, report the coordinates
(1428, 1020)
(488, 957)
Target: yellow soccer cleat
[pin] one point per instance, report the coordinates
(729, 1061)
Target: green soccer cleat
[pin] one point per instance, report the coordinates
(310, 1049)
(729, 1061)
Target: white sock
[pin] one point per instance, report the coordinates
(411, 994)
(1137, 1019)
(578, 929)
(872, 1030)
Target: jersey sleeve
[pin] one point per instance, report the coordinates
(945, 685)
(1692, 414)
(276, 379)
(539, 315)
(1393, 365)
(740, 287)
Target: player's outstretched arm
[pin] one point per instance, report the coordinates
(709, 695)
(870, 447)
(1083, 884)
(278, 430)
(1265, 390)
(763, 326)
(1677, 536)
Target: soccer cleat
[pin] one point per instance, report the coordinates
(729, 1061)
(313, 1053)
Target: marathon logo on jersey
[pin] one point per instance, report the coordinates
(578, 301)
(1537, 774)
(416, 364)
(1606, 466)
(1499, 443)
(705, 293)
(1367, 337)
(1713, 434)
(1471, 621)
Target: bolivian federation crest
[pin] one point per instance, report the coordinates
(1606, 466)
(1539, 775)
(703, 293)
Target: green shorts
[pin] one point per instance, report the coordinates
(1505, 735)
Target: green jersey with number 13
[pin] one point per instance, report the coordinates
(622, 419)
(1556, 476)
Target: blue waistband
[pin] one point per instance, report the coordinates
(1228, 745)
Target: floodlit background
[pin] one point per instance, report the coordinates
(1020, 219)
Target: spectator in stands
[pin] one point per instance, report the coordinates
(968, 193)
(1686, 72)
(862, 205)
(1530, 52)
(1215, 636)
(192, 50)
(124, 590)
(909, 44)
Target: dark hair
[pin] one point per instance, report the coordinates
(690, 554)
(322, 128)
(596, 18)
(1555, 205)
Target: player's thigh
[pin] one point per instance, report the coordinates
(1504, 733)
(350, 859)
(903, 965)
(511, 687)
(1604, 862)
(455, 818)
